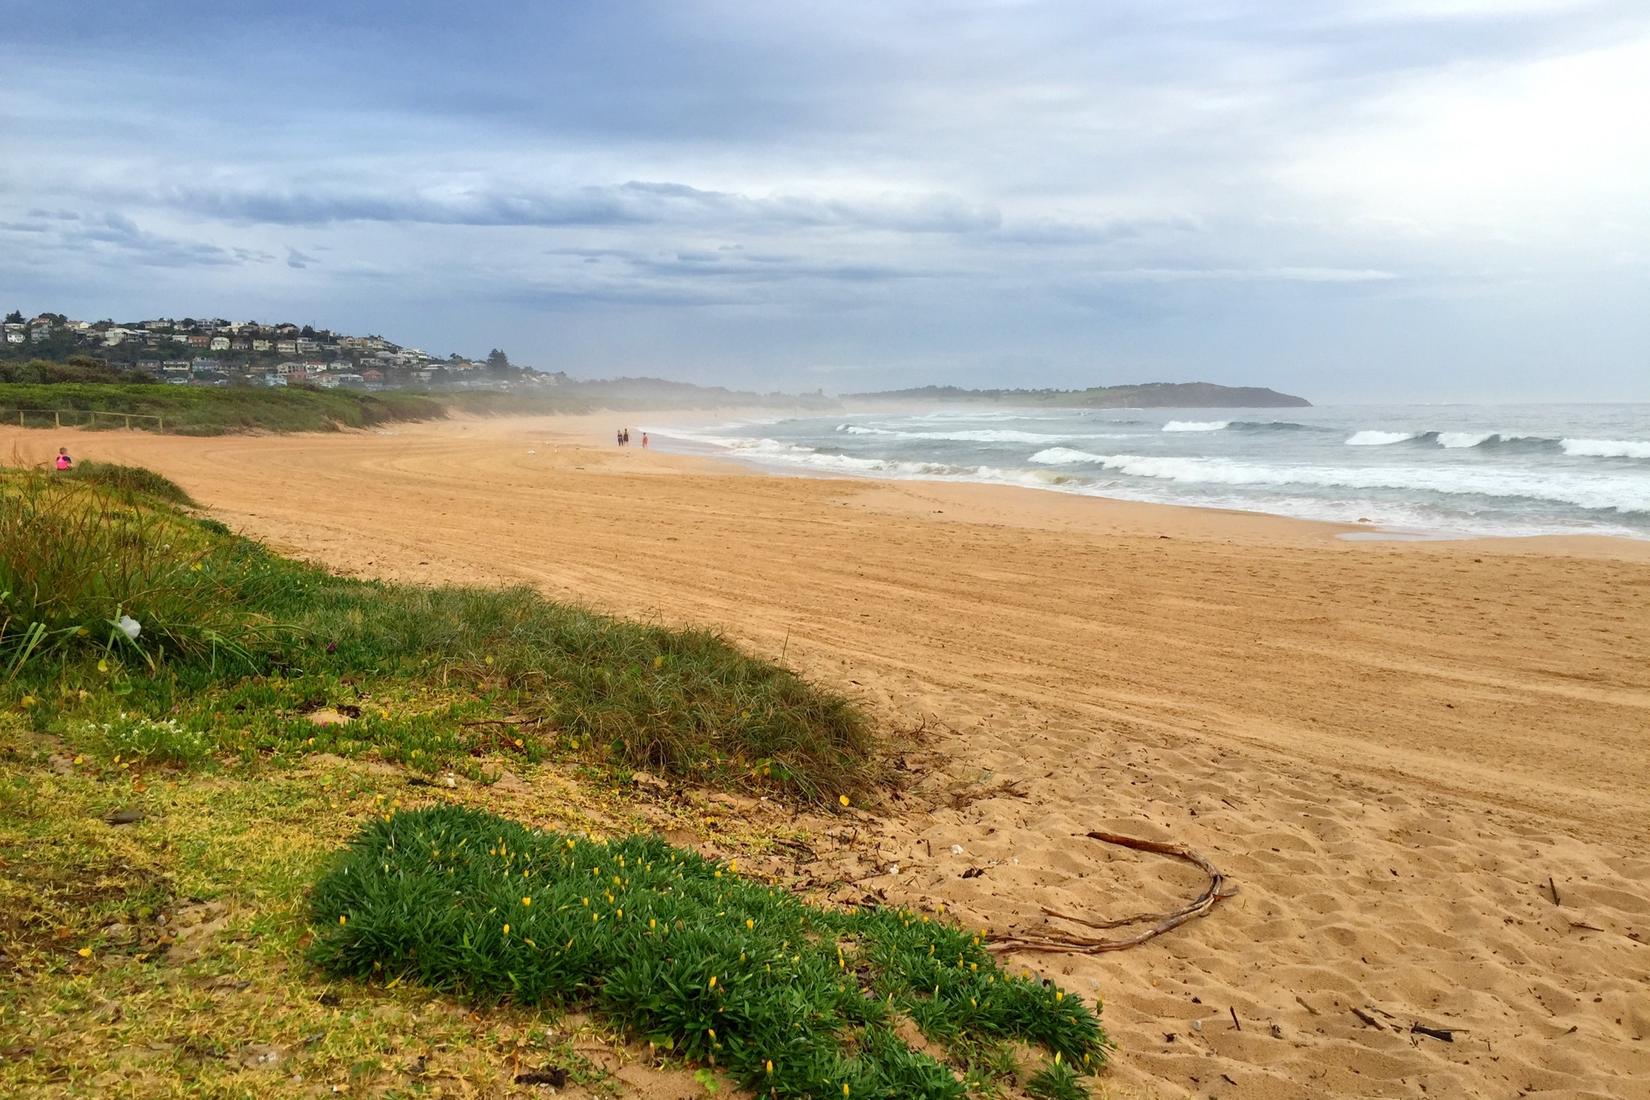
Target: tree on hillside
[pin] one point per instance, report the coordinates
(497, 360)
(15, 317)
(307, 333)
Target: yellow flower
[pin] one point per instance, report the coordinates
(712, 1032)
(712, 981)
(85, 952)
(651, 923)
(507, 930)
(1058, 996)
(845, 1088)
(342, 919)
(749, 923)
(527, 901)
(770, 1067)
(842, 798)
(80, 760)
(28, 701)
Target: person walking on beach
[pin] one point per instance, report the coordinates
(627, 437)
(619, 435)
(644, 441)
(64, 462)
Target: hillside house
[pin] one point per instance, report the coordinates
(17, 337)
(200, 340)
(219, 343)
(286, 347)
(263, 345)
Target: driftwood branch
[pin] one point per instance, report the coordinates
(1053, 941)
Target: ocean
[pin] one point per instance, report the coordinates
(1447, 470)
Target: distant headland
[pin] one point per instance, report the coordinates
(1149, 395)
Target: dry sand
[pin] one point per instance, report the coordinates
(1390, 747)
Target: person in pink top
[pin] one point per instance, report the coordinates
(64, 462)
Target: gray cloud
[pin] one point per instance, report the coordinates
(636, 203)
(1057, 188)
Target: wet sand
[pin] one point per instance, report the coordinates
(1390, 747)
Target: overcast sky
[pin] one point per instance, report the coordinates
(1357, 200)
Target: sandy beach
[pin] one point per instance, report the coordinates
(1425, 765)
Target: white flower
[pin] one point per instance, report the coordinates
(129, 627)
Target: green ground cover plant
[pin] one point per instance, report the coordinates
(114, 599)
(792, 1000)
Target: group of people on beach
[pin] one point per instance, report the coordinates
(623, 435)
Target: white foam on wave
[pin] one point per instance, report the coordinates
(1463, 439)
(1196, 425)
(978, 435)
(1377, 439)
(1605, 448)
(1590, 491)
(1065, 456)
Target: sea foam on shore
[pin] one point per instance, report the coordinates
(1478, 470)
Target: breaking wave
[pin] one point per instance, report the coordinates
(1605, 448)
(1196, 425)
(1614, 494)
(976, 435)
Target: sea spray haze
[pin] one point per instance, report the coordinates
(1446, 469)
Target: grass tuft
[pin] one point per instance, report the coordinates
(129, 479)
(792, 1000)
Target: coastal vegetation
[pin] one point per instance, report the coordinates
(224, 627)
(191, 410)
(1149, 395)
(49, 395)
(683, 952)
(193, 728)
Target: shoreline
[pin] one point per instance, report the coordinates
(1627, 546)
(1388, 746)
(1021, 505)
(1349, 531)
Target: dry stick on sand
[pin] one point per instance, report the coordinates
(1162, 922)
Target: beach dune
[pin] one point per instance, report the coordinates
(1424, 765)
